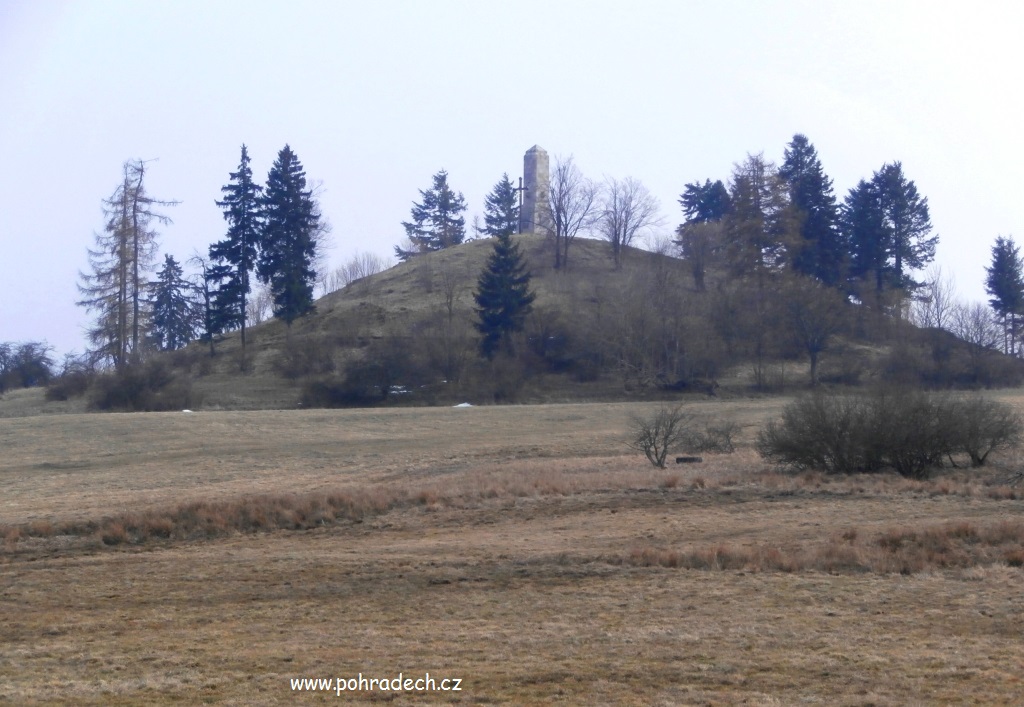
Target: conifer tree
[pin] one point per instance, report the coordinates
(1005, 284)
(174, 309)
(234, 258)
(503, 297)
(501, 209)
(437, 222)
(820, 251)
(700, 237)
(121, 262)
(887, 228)
(291, 221)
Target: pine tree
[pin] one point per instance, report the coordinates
(501, 209)
(1005, 284)
(503, 297)
(704, 203)
(121, 262)
(907, 223)
(437, 222)
(820, 252)
(235, 257)
(886, 226)
(700, 237)
(174, 309)
(291, 220)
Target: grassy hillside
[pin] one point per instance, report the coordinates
(598, 332)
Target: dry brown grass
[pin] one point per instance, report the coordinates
(221, 554)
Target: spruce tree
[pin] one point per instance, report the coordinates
(437, 222)
(503, 297)
(820, 251)
(174, 309)
(234, 258)
(1004, 282)
(501, 209)
(887, 228)
(288, 238)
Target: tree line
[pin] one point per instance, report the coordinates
(273, 232)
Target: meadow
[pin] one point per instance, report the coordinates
(212, 557)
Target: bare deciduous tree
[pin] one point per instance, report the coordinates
(627, 209)
(574, 205)
(935, 305)
(655, 435)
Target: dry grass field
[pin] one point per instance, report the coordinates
(209, 558)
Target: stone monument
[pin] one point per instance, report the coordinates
(535, 211)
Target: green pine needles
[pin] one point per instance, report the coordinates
(503, 298)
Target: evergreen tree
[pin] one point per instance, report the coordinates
(887, 229)
(501, 209)
(700, 237)
(234, 257)
(704, 203)
(907, 224)
(121, 261)
(291, 220)
(174, 310)
(1005, 284)
(820, 251)
(437, 222)
(503, 297)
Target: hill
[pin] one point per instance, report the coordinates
(641, 330)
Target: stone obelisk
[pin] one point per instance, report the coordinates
(535, 214)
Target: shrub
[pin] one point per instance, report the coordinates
(910, 431)
(149, 386)
(655, 435)
(984, 425)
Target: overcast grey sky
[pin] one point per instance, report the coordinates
(375, 97)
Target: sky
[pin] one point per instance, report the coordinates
(376, 97)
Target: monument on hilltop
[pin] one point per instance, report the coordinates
(535, 209)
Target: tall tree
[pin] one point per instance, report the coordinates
(174, 308)
(121, 262)
(503, 297)
(700, 236)
(627, 209)
(907, 223)
(437, 222)
(291, 222)
(760, 224)
(1004, 283)
(703, 203)
(501, 209)
(820, 250)
(888, 230)
(234, 258)
(574, 203)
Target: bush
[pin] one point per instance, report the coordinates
(655, 435)
(910, 431)
(149, 386)
(985, 425)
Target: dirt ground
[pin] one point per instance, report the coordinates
(514, 571)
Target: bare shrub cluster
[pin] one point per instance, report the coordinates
(911, 431)
(150, 386)
(675, 428)
(896, 550)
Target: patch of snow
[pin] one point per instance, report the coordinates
(462, 405)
